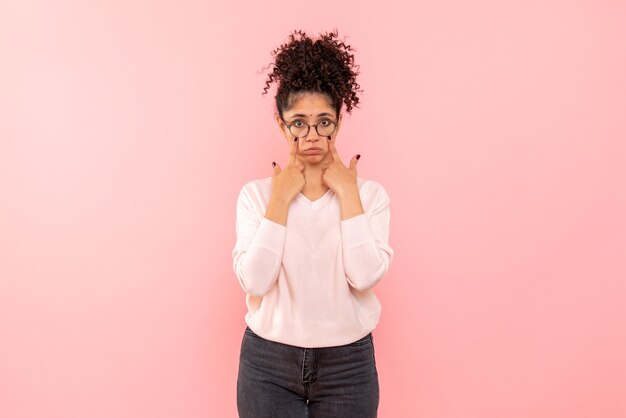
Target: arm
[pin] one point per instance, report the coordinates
(258, 253)
(365, 240)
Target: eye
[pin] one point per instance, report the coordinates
(325, 122)
(296, 123)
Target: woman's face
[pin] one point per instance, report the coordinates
(310, 108)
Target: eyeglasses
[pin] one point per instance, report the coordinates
(300, 129)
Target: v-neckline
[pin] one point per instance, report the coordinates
(317, 201)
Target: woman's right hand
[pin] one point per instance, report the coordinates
(288, 183)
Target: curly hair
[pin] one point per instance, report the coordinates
(324, 66)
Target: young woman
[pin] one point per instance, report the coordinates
(312, 242)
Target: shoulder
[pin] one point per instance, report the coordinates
(371, 189)
(373, 194)
(257, 184)
(256, 189)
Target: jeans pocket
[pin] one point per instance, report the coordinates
(363, 348)
(365, 340)
(373, 346)
(250, 333)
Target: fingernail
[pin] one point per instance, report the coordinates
(295, 139)
(328, 137)
(358, 156)
(273, 164)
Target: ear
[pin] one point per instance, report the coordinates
(281, 126)
(338, 124)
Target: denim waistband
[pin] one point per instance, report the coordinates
(360, 341)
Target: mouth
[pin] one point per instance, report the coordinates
(312, 149)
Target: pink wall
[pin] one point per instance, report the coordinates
(128, 128)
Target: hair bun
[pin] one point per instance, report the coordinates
(324, 65)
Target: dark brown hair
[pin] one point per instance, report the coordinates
(323, 66)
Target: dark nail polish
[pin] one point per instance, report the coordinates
(273, 164)
(358, 156)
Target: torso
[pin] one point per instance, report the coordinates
(315, 194)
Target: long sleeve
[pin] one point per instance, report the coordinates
(301, 279)
(259, 248)
(366, 251)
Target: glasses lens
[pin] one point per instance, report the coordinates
(325, 128)
(299, 130)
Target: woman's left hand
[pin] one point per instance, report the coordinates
(337, 176)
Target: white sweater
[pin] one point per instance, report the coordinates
(309, 283)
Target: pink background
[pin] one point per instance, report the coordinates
(128, 128)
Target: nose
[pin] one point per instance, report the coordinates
(312, 135)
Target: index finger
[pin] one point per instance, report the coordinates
(333, 149)
(293, 151)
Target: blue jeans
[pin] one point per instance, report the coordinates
(279, 380)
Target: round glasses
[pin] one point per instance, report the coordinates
(300, 129)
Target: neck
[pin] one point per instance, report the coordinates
(313, 174)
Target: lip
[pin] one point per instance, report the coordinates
(313, 150)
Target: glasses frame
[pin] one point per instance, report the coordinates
(309, 127)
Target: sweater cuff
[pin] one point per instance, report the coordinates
(271, 235)
(355, 231)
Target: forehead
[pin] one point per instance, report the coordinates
(310, 105)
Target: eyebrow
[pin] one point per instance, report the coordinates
(302, 115)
